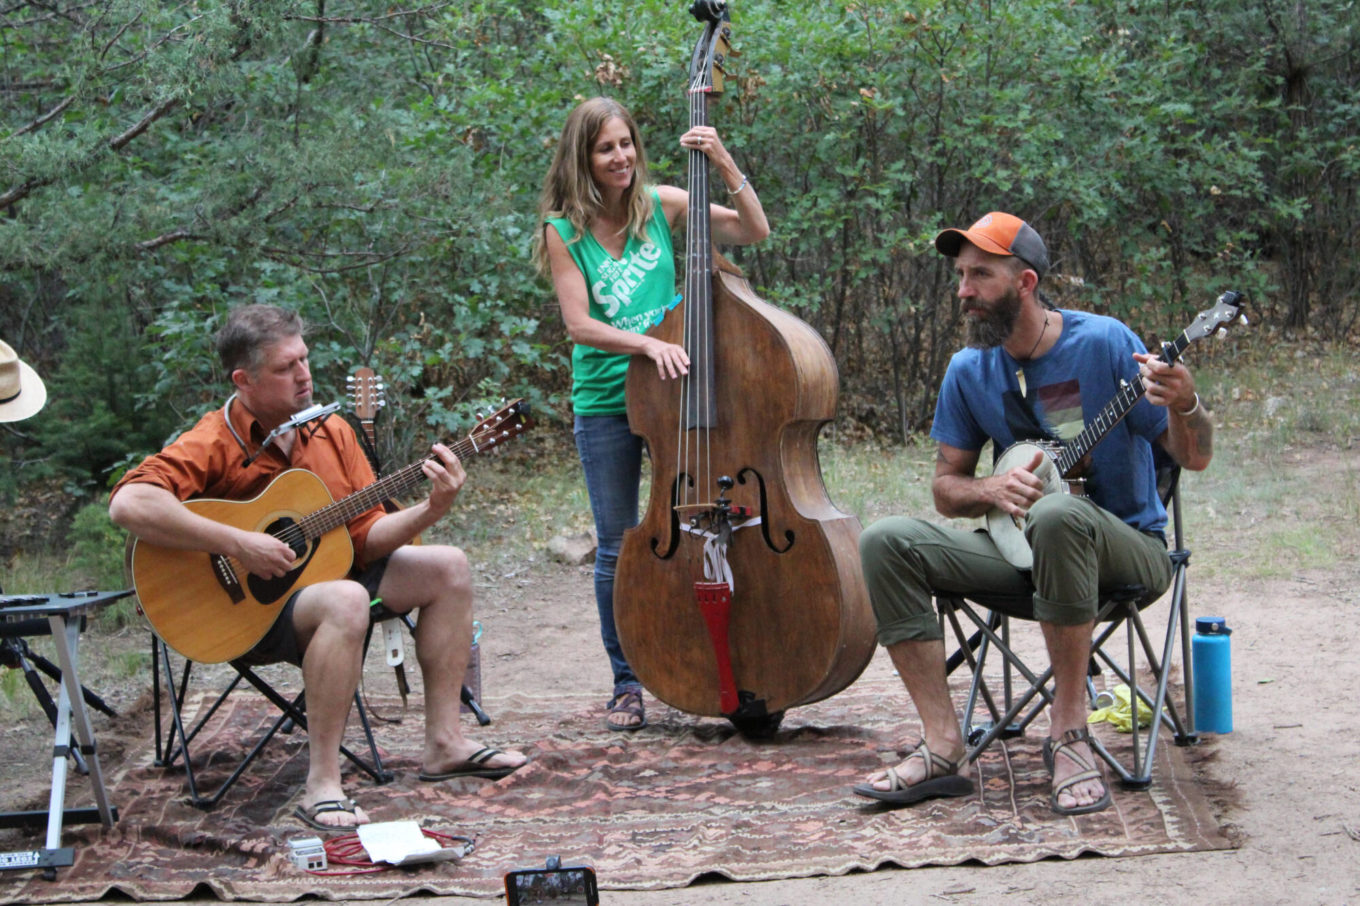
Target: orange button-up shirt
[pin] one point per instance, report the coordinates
(207, 461)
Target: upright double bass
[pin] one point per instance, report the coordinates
(740, 593)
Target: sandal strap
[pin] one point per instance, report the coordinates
(1079, 777)
(935, 765)
(1065, 742)
(325, 806)
(483, 755)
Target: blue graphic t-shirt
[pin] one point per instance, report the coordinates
(630, 292)
(983, 398)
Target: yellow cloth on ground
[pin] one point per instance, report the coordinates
(1121, 712)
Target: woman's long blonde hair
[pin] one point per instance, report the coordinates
(569, 190)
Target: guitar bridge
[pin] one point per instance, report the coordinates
(226, 577)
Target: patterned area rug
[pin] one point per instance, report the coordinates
(656, 809)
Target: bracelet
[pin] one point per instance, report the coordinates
(745, 180)
(1192, 410)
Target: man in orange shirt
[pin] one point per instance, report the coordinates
(322, 627)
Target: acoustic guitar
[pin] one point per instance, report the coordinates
(210, 609)
(1061, 460)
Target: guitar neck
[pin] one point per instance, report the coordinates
(1113, 413)
(318, 523)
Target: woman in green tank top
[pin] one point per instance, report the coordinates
(605, 242)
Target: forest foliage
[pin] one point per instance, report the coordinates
(377, 167)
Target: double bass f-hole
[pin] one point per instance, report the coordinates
(764, 522)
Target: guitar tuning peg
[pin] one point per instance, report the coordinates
(1220, 333)
(1242, 319)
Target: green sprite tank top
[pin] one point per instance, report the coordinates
(631, 293)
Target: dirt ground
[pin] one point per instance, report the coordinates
(1295, 806)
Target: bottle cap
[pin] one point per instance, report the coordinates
(1212, 626)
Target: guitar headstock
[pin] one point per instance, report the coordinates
(501, 426)
(368, 392)
(1226, 312)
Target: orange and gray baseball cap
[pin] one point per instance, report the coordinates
(1001, 234)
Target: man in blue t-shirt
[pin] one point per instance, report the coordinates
(1029, 372)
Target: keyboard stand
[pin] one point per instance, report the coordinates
(63, 617)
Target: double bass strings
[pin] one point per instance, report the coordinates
(696, 392)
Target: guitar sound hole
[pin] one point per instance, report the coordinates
(286, 530)
(267, 591)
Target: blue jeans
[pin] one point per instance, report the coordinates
(612, 458)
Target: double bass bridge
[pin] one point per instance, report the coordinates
(709, 517)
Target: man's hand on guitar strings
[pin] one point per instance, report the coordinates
(1165, 385)
(264, 555)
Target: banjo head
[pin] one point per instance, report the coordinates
(1007, 531)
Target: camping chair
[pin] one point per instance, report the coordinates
(1024, 694)
(173, 739)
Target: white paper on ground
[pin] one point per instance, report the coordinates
(403, 843)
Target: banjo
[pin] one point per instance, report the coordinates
(1060, 459)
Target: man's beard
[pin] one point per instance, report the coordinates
(993, 323)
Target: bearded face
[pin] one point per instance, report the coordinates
(990, 323)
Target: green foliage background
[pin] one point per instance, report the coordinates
(378, 167)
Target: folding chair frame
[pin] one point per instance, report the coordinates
(173, 741)
(1121, 607)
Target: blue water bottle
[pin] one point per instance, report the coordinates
(1211, 649)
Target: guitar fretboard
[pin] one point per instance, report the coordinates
(318, 523)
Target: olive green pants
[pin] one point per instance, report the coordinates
(1080, 551)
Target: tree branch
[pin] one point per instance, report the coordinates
(45, 118)
(150, 245)
(290, 256)
(156, 113)
(370, 20)
(116, 143)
